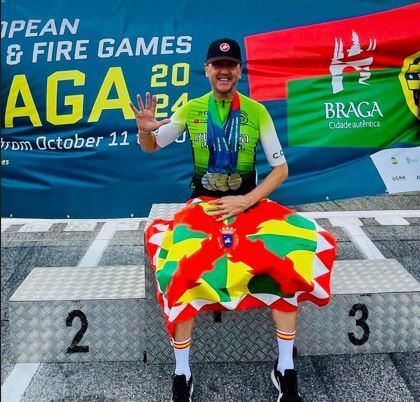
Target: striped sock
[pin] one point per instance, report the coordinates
(285, 343)
(182, 357)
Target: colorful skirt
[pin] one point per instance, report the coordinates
(268, 256)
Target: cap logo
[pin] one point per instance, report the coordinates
(224, 47)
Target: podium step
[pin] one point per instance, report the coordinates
(375, 308)
(79, 314)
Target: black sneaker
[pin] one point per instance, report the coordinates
(181, 388)
(287, 385)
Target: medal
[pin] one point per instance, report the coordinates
(234, 181)
(205, 181)
(222, 182)
(212, 180)
(223, 142)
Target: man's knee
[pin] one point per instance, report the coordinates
(183, 329)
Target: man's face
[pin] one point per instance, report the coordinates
(223, 76)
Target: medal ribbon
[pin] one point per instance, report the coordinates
(223, 139)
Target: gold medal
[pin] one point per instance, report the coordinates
(222, 182)
(234, 181)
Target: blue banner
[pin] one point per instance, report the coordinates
(70, 68)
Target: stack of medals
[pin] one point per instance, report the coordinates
(223, 154)
(221, 181)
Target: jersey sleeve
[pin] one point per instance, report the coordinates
(269, 140)
(168, 133)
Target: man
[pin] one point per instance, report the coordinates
(224, 169)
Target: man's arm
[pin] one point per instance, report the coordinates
(147, 123)
(153, 141)
(275, 157)
(153, 135)
(147, 141)
(277, 176)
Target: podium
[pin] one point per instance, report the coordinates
(375, 308)
(82, 314)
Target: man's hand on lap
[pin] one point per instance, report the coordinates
(226, 207)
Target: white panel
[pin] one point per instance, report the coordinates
(399, 168)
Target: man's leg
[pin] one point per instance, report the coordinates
(284, 376)
(181, 345)
(285, 331)
(182, 385)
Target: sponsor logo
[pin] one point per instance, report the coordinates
(398, 178)
(355, 58)
(410, 82)
(202, 139)
(224, 47)
(409, 160)
(278, 155)
(244, 118)
(243, 140)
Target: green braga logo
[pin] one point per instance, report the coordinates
(357, 109)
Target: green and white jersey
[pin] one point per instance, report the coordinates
(256, 126)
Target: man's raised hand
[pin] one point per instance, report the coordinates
(145, 116)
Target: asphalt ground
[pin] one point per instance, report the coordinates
(362, 377)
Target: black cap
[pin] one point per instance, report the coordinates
(224, 49)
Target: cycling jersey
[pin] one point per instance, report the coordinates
(256, 126)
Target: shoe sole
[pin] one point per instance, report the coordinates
(274, 380)
(192, 389)
(276, 384)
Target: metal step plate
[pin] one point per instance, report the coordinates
(375, 308)
(81, 314)
(163, 211)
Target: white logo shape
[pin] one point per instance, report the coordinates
(339, 62)
(224, 47)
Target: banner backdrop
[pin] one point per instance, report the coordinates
(341, 82)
